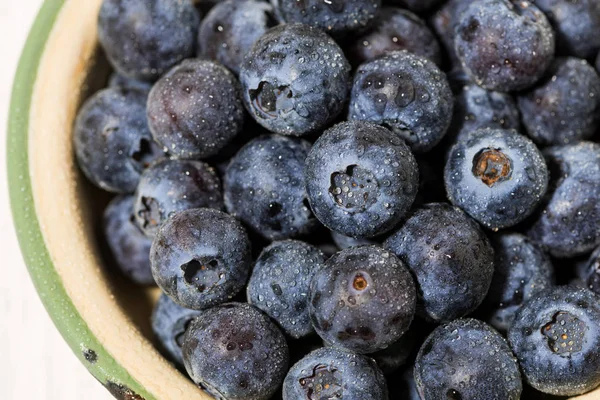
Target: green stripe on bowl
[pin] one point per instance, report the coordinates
(45, 278)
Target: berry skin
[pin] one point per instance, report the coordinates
(565, 107)
(398, 353)
(450, 258)
(504, 45)
(112, 142)
(169, 186)
(406, 93)
(295, 80)
(568, 224)
(330, 373)
(467, 359)
(169, 323)
(233, 351)
(576, 25)
(396, 29)
(128, 244)
(336, 17)
(556, 338)
(264, 187)
(195, 109)
(201, 258)
(521, 270)
(590, 273)
(477, 108)
(230, 29)
(144, 38)
(363, 300)
(280, 281)
(119, 81)
(343, 242)
(443, 23)
(496, 176)
(360, 179)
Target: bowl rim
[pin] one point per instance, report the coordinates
(48, 284)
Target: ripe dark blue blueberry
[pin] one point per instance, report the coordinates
(230, 29)
(169, 323)
(336, 17)
(129, 246)
(477, 108)
(568, 224)
(504, 45)
(565, 107)
(112, 142)
(329, 373)
(396, 29)
(280, 281)
(201, 258)
(576, 25)
(590, 272)
(405, 93)
(144, 38)
(467, 359)
(195, 109)
(295, 80)
(556, 338)
(264, 187)
(521, 270)
(443, 23)
(233, 351)
(362, 300)
(496, 176)
(450, 258)
(169, 186)
(360, 179)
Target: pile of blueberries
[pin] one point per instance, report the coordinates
(344, 199)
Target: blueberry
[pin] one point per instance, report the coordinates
(406, 93)
(576, 25)
(443, 23)
(521, 270)
(112, 142)
(234, 351)
(295, 80)
(477, 108)
(169, 323)
(504, 45)
(360, 178)
(556, 339)
(565, 107)
(230, 29)
(279, 284)
(264, 187)
(590, 273)
(418, 6)
(569, 222)
(201, 257)
(195, 109)
(450, 258)
(343, 242)
(397, 354)
(169, 186)
(396, 29)
(496, 176)
(329, 373)
(337, 17)
(128, 244)
(467, 359)
(144, 38)
(362, 300)
(119, 81)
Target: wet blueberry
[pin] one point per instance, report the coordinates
(201, 257)
(590, 273)
(360, 178)
(450, 258)
(405, 93)
(169, 186)
(362, 300)
(280, 281)
(444, 22)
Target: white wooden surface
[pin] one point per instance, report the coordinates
(35, 363)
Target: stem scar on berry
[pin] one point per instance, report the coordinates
(565, 333)
(360, 283)
(492, 166)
